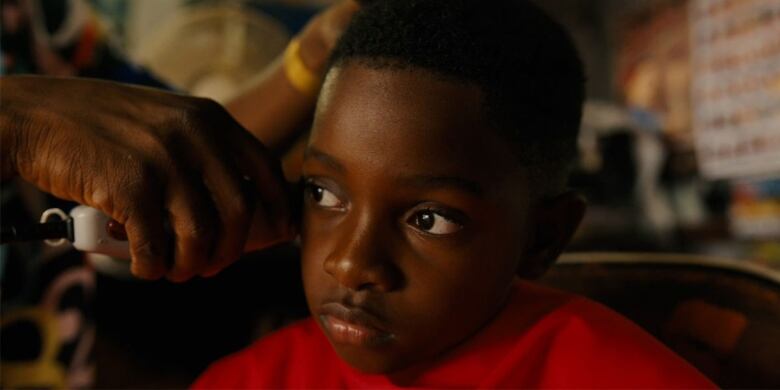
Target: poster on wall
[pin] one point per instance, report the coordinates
(735, 87)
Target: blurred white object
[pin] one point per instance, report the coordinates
(598, 119)
(76, 16)
(212, 50)
(90, 233)
(108, 265)
(657, 211)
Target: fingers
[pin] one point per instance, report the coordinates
(140, 210)
(193, 221)
(234, 204)
(238, 195)
(336, 19)
(168, 167)
(166, 211)
(274, 221)
(221, 193)
(148, 246)
(262, 219)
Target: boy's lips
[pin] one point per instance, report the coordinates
(353, 325)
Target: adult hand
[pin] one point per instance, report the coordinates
(320, 35)
(272, 108)
(148, 159)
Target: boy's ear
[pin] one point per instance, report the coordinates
(553, 222)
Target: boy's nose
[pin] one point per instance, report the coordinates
(360, 261)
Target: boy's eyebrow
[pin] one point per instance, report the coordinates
(312, 152)
(435, 182)
(418, 181)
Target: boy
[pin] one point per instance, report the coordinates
(435, 175)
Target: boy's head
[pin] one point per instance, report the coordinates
(435, 173)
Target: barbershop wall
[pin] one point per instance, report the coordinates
(679, 141)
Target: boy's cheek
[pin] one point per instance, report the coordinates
(314, 275)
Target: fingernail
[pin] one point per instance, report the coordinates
(116, 230)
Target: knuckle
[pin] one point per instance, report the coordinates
(193, 120)
(236, 211)
(150, 141)
(208, 104)
(122, 212)
(164, 144)
(196, 232)
(202, 108)
(131, 188)
(137, 173)
(146, 250)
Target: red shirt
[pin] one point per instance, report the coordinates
(542, 338)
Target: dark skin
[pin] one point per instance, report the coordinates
(417, 217)
(144, 156)
(150, 158)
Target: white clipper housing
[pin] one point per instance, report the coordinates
(90, 234)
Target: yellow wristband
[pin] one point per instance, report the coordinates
(303, 79)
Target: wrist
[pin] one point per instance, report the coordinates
(16, 120)
(9, 133)
(301, 76)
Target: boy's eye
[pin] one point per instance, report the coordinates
(432, 222)
(322, 197)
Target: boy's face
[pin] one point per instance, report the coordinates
(416, 216)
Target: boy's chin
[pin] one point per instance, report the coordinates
(372, 361)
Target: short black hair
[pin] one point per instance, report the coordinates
(524, 62)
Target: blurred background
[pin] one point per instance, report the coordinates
(679, 153)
